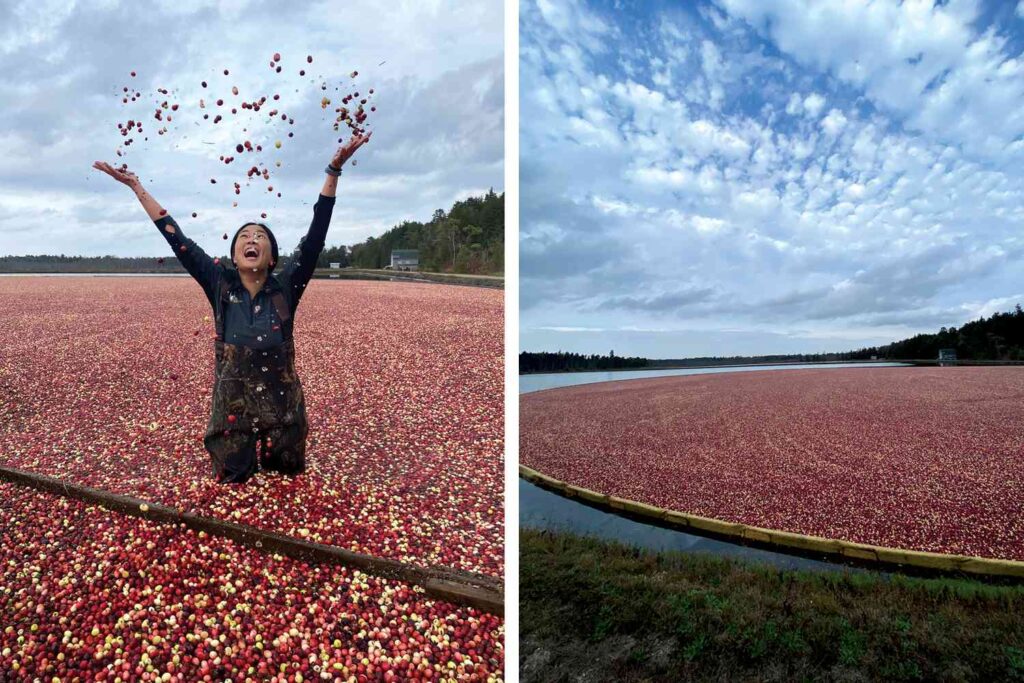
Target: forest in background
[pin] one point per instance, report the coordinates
(999, 338)
(469, 238)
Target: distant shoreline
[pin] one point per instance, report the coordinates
(904, 361)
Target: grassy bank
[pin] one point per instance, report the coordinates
(596, 611)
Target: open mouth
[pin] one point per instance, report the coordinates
(251, 253)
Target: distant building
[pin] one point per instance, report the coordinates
(405, 259)
(335, 265)
(947, 356)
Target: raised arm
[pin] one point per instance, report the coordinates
(302, 263)
(196, 261)
(198, 264)
(303, 260)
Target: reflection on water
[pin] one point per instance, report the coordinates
(540, 509)
(528, 383)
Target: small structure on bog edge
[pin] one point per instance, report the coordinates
(405, 259)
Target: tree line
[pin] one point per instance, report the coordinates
(469, 238)
(999, 337)
(568, 362)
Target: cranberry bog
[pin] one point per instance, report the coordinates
(107, 384)
(916, 459)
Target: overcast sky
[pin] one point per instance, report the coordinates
(438, 129)
(745, 177)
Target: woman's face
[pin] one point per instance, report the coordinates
(252, 249)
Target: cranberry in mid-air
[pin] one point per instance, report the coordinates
(302, 72)
(263, 215)
(309, 59)
(194, 214)
(239, 148)
(220, 103)
(277, 56)
(225, 235)
(225, 72)
(204, 84)
(213, 181)
(133, 74)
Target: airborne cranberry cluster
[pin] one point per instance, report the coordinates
(165, 114)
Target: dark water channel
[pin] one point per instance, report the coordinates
(542, 509)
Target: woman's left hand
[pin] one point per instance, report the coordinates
(349, 148)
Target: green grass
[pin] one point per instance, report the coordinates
(598, 611)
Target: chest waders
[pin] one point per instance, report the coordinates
(257, 400)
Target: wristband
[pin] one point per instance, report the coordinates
(330, 170)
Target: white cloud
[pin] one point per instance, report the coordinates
(834, 123)
(438, 131)
(920, 61)
(806, 202)
(813, 104)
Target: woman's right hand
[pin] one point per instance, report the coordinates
(125, 177)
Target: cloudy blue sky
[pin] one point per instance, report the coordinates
(438, 129)
(745, 177)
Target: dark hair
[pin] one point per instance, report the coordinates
(270, 235)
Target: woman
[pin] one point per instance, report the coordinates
(257, 397)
